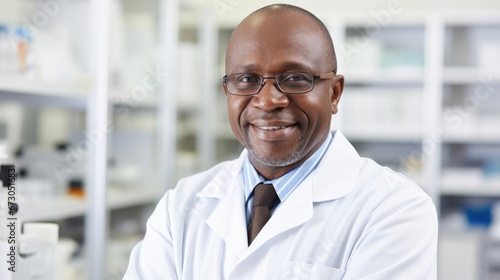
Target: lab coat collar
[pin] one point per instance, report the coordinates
(220, 184)
(228, 219)
(337, 172)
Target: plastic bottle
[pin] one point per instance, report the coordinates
(4, 45)
(43, 263)
(25, 56)
(8, 59)
(27, 248)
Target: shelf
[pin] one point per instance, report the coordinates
(54, 208)
(385, 77)
(147, 104)
(19, 84)
(121, 97)
(470, 75)
(122, 198)
(35, 91)
(470, 183)
(472, 138)
(475, 192)
(64, 207)
(457, 18)
(382, 136)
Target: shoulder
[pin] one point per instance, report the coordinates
(196, 183)
(209, 183)
(189, 191)
(386, 179)
(394, 223)
(387, 189)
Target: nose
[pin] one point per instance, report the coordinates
(269, 97)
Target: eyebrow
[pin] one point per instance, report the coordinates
(252, 67)
(296, 66)
(287, 66)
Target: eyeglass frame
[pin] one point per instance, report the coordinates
(325, 76)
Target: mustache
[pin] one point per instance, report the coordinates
(278, 115)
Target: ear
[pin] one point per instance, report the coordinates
(224, 88)
(337, 88)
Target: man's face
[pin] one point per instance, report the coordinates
(281, 130)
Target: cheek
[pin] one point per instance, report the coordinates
(235, 108)
(318, 110)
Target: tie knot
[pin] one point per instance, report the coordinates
(265, 195)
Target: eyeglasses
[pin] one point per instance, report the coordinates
(245, 84)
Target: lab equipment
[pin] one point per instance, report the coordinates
(43, 263)
(28, 256)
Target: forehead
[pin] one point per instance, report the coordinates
(274, 43)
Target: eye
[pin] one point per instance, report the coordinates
(247, 79)
(295, 78)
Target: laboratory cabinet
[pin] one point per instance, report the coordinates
(54, 67)
(428, 93)
(470, 157)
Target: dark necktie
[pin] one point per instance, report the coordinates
(264, 199)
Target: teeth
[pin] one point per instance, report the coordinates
(273, 128)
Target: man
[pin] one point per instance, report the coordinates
(322, 211)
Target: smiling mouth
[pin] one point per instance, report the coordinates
(272, 132)
(273, 128)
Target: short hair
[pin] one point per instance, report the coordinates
(279, 8)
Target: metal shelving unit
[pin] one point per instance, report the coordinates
(92, 98)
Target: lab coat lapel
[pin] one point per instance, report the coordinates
(294, 211)
(228, 219)
(338, 171)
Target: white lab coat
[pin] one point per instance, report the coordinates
(349, 219)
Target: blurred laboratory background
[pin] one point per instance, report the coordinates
(121, 98)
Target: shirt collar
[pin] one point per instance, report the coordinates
(285, 184)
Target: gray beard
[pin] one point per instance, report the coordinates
(277, 160)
